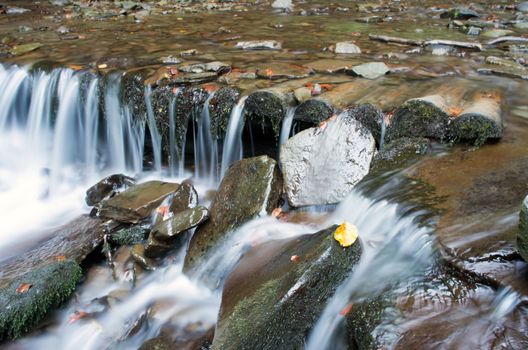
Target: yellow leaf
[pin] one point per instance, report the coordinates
(346, 234)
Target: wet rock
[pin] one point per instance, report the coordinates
(266, 308)
(401, 149)
(523, 6)
(259, 45)
(333, 157)
(372, 70)
(189, 339)
(25, 48)
(266, 106)
(179, 223)
(522, 236)
(496, 33)
(137, 202)
(170, 60)
(441, 50)
(63, 30)
(313, 111)
(106, 187)
(216, 67)
(460, 13)
(138, 254)
(128, 236)
(302, 94)
(60, 2)
(423, 117)
(52, 272)
(369, 116)
(220, 106)
(49, 287)
(282, 4)
(250, 188)
(25, 29)
(132, 91)
(154, 248)
(184, 198)
(330, 66)
(480, 120)
(347, 47)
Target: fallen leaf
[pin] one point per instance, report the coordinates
(24, 288)
(346, 310)
(455, 111)
(346, 234)
(210, 87)
(276, 212)
(295, 258)
(102, 66)
(326, 87)
(59, 257)
(269, 72)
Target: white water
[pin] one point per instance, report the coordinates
(233, 150)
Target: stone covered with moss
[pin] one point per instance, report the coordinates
(132, 92)
(369, 116)
(266, 108)
(49, 287)
(250, 188)
(313, 111)
(522, 237)
(273, 304)
(418, 118)
(188, 107)
(220, 107)
(161, 100)
(474, 128)
(128, 236)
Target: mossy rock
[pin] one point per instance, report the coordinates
(188, 107)
(51, 286)
(522, 236)
(474, 128)
(313, 111)
(266, 107)
(250, 188)
(369, 116)
(418, 118)
(220, 107)
(128, 236)
(161, 100)
(272, 302)
(132, 92)
(400, 150)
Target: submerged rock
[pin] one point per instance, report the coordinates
(250, 188)
(276, 306)
(184, 198)
(522, 236)
(25, 48)
(137, 202)
(128, 236)
(321, 165)
(460, 13)
(179, 223)
(106, 187)
(259, 45)
(346, 47)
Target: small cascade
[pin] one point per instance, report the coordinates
(154, 134)
(286, 128)
(176, 160)
(205, 148)
(395, 248)
(233, 149)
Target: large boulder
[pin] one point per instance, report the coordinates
(277, 292)
(250, 188)
(40, 280)
(321, 165)
(522, 237)
(136, 203)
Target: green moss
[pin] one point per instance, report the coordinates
(474, 128)
(313, 111)
(418, 118)
(361, 322)
(50, 287)
(132, 92)
(522, 237)
(220, 107)
(188, 107)
(128, 236)
(266, 107)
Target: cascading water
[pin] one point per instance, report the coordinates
(232, 150)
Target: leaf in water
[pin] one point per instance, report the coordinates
(295, 258)
(77, 315)
(59, 258)
(22, 49)
(346, 234)
(455, 111)
(346, 310)
(23, 288)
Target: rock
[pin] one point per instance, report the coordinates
(522, 236)
(154, 248)
(347, 47)
(321, 165)
(259, 45)
(369, 116)
(190, 52)
(266, 308)
(128, 236)
(23, 49)
(400, 149)
(282, 4)
(179, 223)
(138, 254)
(496, 33)
(170, 60)
(372, 70)
(250, 188)
(521, 25)
(331, 66)
(191, 339)
(107, 187)
(51, 269)
(216, 67)
(49, 287)
(184, 198)
(137, 202)
(25, 29)
(220, 106)
(313, 111)
(441, 50)
(460, 13)
(13, 10)
(302, 94)
(480, 120)
(267, 105)
(63, 30)
(523, 6)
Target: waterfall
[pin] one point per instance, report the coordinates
(205, 148)
(233, 150)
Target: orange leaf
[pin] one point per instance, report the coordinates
(23, 288)
(295, 258)
(59, 257)
(309, 85)
(346, 310)
(276, 212)
(269, 72)
(163, 210)
(326, 87)
(455, 111)
(210, 87)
